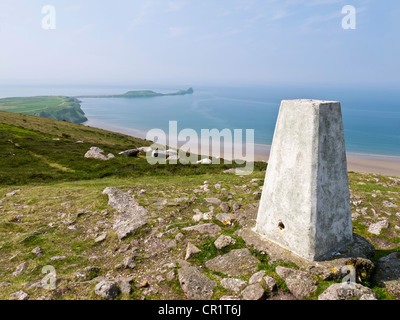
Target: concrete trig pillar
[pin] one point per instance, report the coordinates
(305, 204)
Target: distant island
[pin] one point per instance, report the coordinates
(142, 94)
(65, 108)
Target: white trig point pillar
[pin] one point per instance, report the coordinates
(305, 204)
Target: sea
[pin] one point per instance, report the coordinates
(371, 116)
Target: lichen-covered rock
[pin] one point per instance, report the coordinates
(233, 284)
(388, 273)
(224, 241)
(195, 284)
(236, 263)
(253, 292)
(131, 215)
(346, 291)
(107, 290)
(301, 284)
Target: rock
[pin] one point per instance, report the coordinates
(389, 204)
(20, 269)
(225, 218)
(191, 250)
(37, 251)
(270, 282)
(130, 153)
(129, 262)
(346, 291)
(145, 149)
(101, 238)
(301, 284)
(55, 258)
(257, 277)
(5, 284)
(125, 285)
(204, 228)
(225, 207)
(12, 193)
(253, 292)
(236, 263)
(195, 284)
(233, 284)
(229, 298)
(107, 290)
(224, 241)
(236, 207)
(204, 161)
(97, 153)
(217, 186)
(20, 295)
(388, 273)
(215, 201)
(131, 215)
(376, 228)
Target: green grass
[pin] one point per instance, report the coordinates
(41, 150)
(57, 107)
(41, 158)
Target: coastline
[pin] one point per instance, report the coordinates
(357, 162)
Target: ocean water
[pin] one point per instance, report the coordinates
(371, 116)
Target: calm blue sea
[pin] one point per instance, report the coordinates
(371, 117)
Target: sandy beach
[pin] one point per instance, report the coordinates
(357, 162)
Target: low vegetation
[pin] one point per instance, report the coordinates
(51, 197)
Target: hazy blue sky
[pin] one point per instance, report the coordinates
(200, 42)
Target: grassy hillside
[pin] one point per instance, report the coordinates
(35, 149)
(57, 107)
(51, 197)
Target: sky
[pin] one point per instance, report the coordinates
(209, 42)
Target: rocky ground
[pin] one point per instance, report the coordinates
(178, 239)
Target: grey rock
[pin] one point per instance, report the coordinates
(97, 153)
(389, 204)
(5, 284)
(12, 193)
(130, 153)
(125, 285)
(204, 228)
(55, 258)
(346, 291)
(270, 283)
(224, 241)
(253, 292)
(229, 298)
(101, 238)
(257, 277)
(20, 269)
(236, 263)
(225, 218)
(225, 207)
(328, 270)
(301, 284)
(129, 262)
(236, 207)
(376, 228)
(388, 273)
(195, 284)
(191, 250)
(107, 290)
(20, 295)
(233, 284)
(131, 215)
(215, 201)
